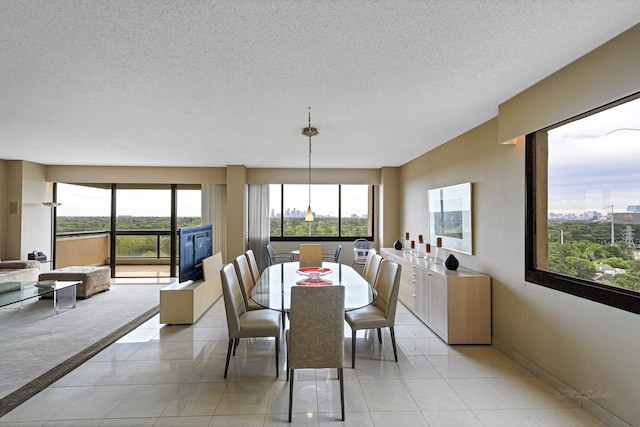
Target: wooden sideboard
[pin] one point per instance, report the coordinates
(454, 304)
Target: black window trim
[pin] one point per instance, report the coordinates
(621, 298)
(338, 238)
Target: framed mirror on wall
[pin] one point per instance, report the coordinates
(450, 217)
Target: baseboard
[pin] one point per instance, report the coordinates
(564, 390)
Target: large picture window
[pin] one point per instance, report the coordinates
(583, 205)
(340, 211)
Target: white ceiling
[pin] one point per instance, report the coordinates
(215, 83)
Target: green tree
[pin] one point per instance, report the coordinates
(625, 280)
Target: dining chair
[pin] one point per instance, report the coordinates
(245, 278)
(371, 267)
(367, 261)
(277, 258)
(315, 338)
(310, 255)
(332, 257)
(382, 312)
(242, 323)
(360, 251)
(253, 265)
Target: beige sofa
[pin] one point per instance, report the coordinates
(19, 271)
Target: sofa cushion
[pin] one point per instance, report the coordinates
(20, 275)
(15, 265)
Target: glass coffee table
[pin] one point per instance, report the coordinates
(18, 292)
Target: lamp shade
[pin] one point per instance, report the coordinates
(309, 216)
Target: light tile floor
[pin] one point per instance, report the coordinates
(172, 376)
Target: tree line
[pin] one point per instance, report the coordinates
(577, 248)
(128, 246)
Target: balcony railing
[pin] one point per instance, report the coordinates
(132, 247)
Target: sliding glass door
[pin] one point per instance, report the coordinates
(134, 226)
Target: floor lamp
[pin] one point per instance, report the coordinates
(52, 206)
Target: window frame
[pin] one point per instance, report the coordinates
(338, 238)
(535, 167)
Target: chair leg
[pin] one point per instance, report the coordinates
(235, 345)
(340, 376)
(291, 393)
(393, 342)
(353, 349)
(379, 336)
(226, 366)
(277, 356)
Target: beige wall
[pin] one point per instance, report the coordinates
(135, 175)
(4, 208)
(583, 344)
(29, 228)
(566, 340)
(602, 76)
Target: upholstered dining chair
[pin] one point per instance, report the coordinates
(315, 338)
(382, 313)
(245, 278)
(310, 255)
(371, 267)
(277, 258)
(242, 323)
(334, 257)
(253, 265)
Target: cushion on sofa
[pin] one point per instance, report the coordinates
(20, 275)
(15, 265)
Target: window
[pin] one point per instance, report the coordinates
(341, 212)
(583, 205)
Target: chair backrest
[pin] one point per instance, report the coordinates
(310, 255)
(253, 265)
(370, 272)
(336, 256)
(233, 301)
(387, 284)
(367, 263)
(244, 276)
(272, 254)
(316, 334)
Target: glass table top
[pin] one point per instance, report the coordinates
(273, 289)
(12, 292)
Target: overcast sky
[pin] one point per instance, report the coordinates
(595, 162)
(86, 201)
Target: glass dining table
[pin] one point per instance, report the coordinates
(273, 289)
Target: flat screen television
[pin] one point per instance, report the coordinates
(196, 244)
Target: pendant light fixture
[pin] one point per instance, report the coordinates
(309, 131)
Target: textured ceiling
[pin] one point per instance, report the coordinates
(215, 83)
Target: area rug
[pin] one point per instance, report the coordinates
(37, 347)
